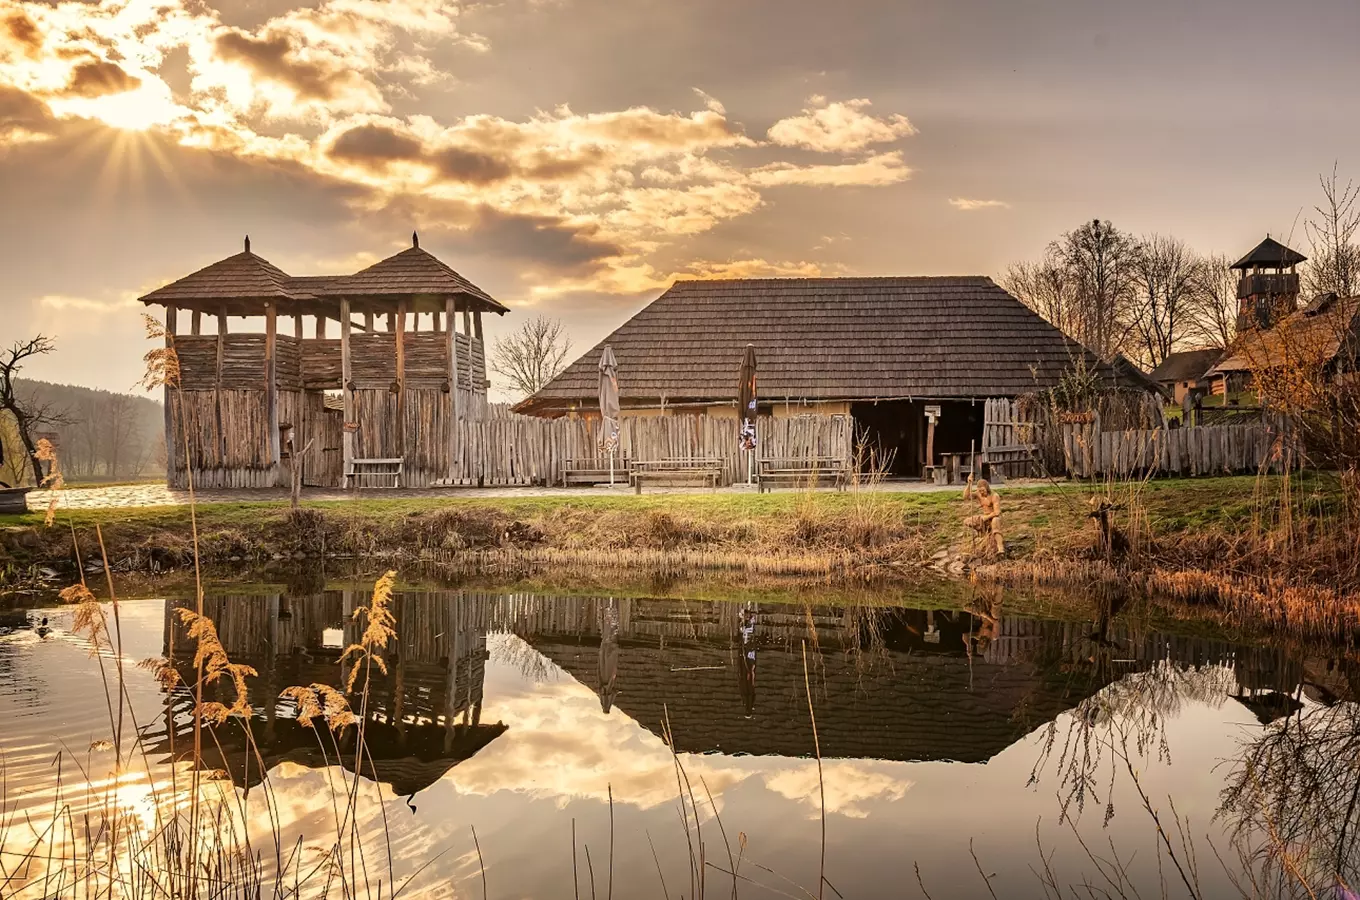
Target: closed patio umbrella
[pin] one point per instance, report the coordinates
(609, 405)
(746, 407)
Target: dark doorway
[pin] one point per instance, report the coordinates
(892, 433)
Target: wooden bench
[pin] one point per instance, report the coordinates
(690, 470)
(804, 472)
(374, 473)
(593, 470)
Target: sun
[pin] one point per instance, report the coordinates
(148, 106)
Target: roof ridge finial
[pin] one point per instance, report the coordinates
(247, 243)
(415, 240)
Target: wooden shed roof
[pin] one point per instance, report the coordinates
(829, 339)
(243, 277)
(1270, 254)
(412, 273)
(244, 284)
(1186, 365)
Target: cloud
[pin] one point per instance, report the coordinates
(20, 111)
(22, 32)
(86, 305)
(276, 59)
(839, 127)
(966, 205)
(375, 145)
(875, 171)
(752, 268)
(99, 78)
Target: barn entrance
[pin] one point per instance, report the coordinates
(893, 433)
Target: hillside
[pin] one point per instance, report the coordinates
(100, 435)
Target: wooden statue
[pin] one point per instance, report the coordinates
(988, 523)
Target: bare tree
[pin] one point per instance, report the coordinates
(1102, 264)
(533, 355)
(27, 415)
(1335, 264)
(1045, 288)
(1213, 320)
(1168, 279)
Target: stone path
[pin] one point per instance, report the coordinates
(132, 496)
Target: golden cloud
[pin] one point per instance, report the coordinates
(99, 78)
(839, 127)
(964, 204)
(875, 171)
(312, 89)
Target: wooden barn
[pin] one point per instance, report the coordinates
(892, 353)
(374, 404)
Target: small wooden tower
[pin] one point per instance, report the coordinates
(1269, 289)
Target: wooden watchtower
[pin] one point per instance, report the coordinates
(375, 405)
(1269, 288)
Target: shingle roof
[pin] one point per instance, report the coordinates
(244, 283)
(412, 272)
(829, 338)
(1320, 332)
(1186, 365)
(244, 276)
(1271, 254)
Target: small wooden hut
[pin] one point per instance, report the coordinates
(374, 405)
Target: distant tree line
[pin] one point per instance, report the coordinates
(1151, 295)
(98, 434)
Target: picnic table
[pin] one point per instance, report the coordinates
(687, 470)
(802, 471)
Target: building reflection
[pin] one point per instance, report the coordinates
(889, 683)
(423, 716)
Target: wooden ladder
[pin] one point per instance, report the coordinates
(374, 473)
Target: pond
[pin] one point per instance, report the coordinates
(964, 752)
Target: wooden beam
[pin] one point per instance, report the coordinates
(477, 324)
(172, 439)
(271, 386)
(401, 378)
(434, 320)
(320, 328)
(347, 437)
(222, 323)
(451, 351)
(297, 326)
(217, 388)
(368, 322)
(196, 323)
(467, 322)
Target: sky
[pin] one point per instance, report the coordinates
(574, 157)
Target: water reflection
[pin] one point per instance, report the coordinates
(890, 683)
(520, 713)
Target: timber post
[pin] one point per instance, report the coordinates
(271, 389)
(451, 346)
(195, 323)
(401, 378)
(346, 392)
(170, 432)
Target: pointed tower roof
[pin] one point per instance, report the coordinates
(1270, 254)
(243, 277)
(415, 274)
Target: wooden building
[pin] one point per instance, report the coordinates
(398, 373)
(1325, 335)
(1184, 371)
(884, 351)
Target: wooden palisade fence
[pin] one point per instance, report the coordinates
(1209, 450)
(510, 449)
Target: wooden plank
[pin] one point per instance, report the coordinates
(271, 388)
(346, 392)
